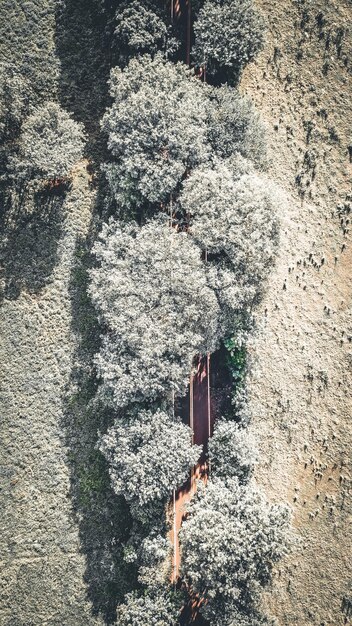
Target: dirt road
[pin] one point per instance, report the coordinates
(198, 414)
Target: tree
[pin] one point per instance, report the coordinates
(234, 125)
(149, 455)
(139, 28)
(232, 213)
(51, 142)
(232, 451)
(228, 35)
(157, 607)
(156, 129)
(151, 292)
(154, 560)
(230, 539)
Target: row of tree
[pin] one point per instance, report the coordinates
(187, 251)
(191, 241)
(160, 303)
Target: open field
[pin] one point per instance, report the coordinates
(301, 376)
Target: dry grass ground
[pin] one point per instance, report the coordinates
(42, 568)
(300, 390)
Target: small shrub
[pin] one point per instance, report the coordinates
(232, 451)
(51, 142)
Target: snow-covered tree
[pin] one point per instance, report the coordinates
(228, 35)
(149, 455)
(139, 28)
(156, 129)
(51, 142)
(233, 217)
(230, 540)
(157, 607)
(152, 295)
(234, 125)
(232, 451)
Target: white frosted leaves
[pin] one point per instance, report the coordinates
(51, 142)
(228, 34)
(233, 216)
(156, 129)
(230, 540)
(143, 465)
(152, 294)
(139, 28)
(157, 608)
(232, 451)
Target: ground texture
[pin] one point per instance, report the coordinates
(42, 568)
(300, 392)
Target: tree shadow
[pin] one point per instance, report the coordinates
(104, 519)
(83, 45)
(29, 247)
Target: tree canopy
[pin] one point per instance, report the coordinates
(230, 539)
(233, 217)
(156, 129)
(228, 35)
(154, 558)
(143, 465)
(51, 142)
(156, 607)
(139, 28)
(234, 125)
(152, 294)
